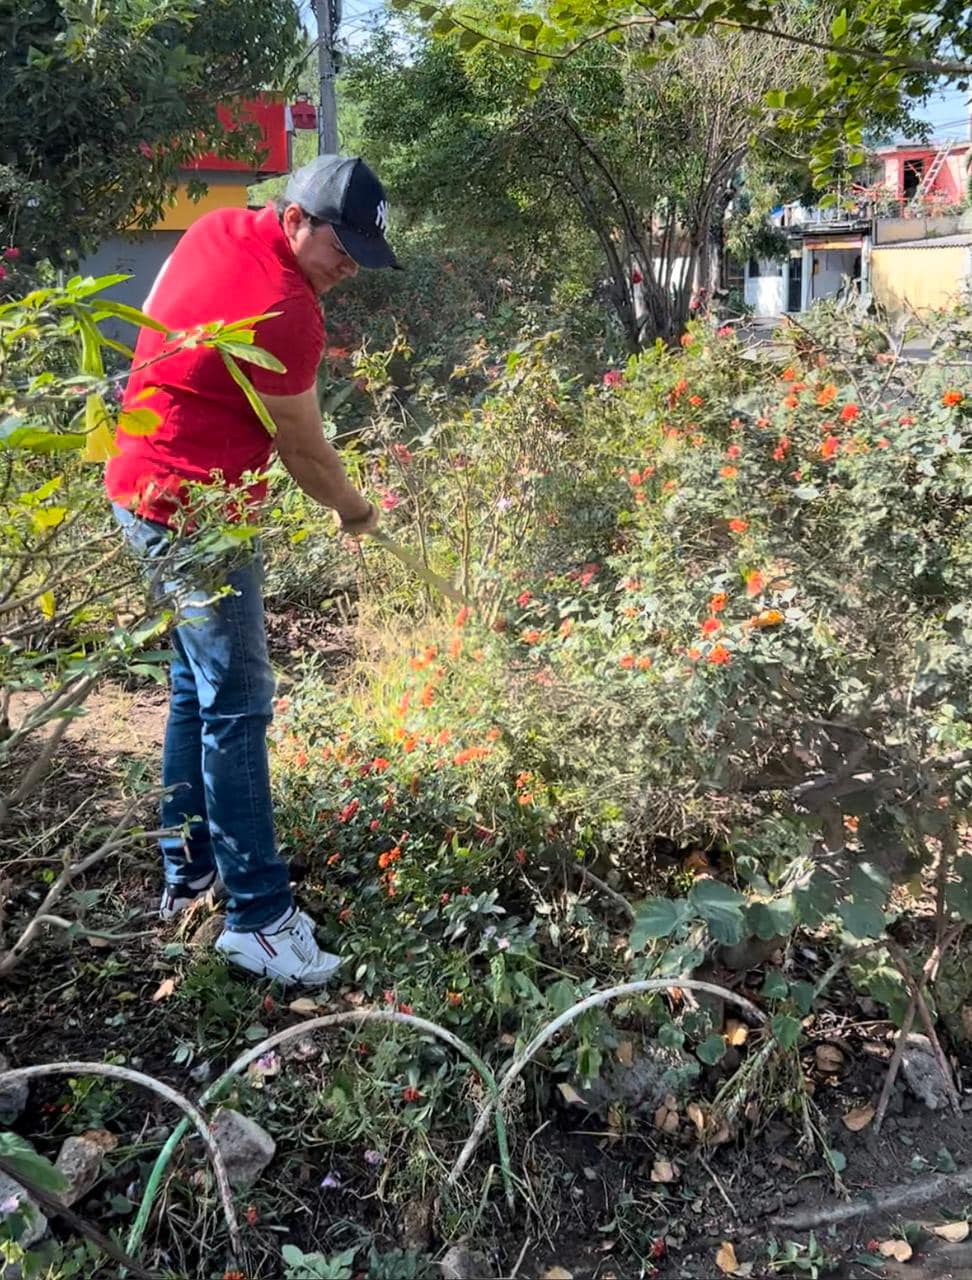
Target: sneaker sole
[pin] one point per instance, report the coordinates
(250, 965)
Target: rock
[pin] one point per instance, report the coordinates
(922, 1072)
(416, 1225)
(13, 1198)
(462, 1264)
(246, 1148)
(13, 1096)
(643, 1084)
(80, 1159)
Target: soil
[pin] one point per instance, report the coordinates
(597, 1212)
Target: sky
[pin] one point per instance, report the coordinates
(948, 114)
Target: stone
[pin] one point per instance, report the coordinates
(80, 1159)
(13, 1096)
(13, 1198)
(416, 1225)
(244, 1145)
(922, 1073)
(462, 1264)
(642, 1084)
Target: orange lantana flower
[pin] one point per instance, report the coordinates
(627, 662)
(826, 395)
(755, 582)
(718, 602)
(719, 655)
(738, 525)
(951, 398)
(768, 618)
(729, 473)
(829, 447)
(849, 412)
(711, 626)
(790, 402)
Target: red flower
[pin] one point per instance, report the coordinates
(532, 636)
(829, 447)
(693, 654)
(788, 375)
(790, 402)
(733, 451)
(405, 1008)
(951, 398)
(695, 401)
(725, 332)
(462, 617)
(849, 412)
(755, 582)
(658, 1248)
(711, 626)
(349, 810)
(402, 454)
(719, 655)
(782, 449)
(729, 473)
(11, 254)
(738, 525)
(687, 339)
(520, 856)
(636, 276)
(251, 1215)
(345, 915)
(718, 602)
(627, 662)
(883, 443)
(643, 663)
(524, 598)
(411, 1094)
(613, 378)
(454, 998)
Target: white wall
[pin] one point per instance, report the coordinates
(766, 293)
(831, 266)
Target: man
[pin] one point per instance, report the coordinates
(230, 265)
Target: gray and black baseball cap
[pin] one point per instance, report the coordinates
(343, 191)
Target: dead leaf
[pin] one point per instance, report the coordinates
(664, 1171)
(726, 1259)
(108, 1142)
(696, 1115)
(165, 989)
(859, 1118)
(570, 1094)
(722, 1134)
(99, 944)
(736, 1032)
(829, 1059)
(953, 1232)
(625, 1053)
(900, 1250)
(666, 1117)
(696, 861)
(557, 1273)
(304, 1007)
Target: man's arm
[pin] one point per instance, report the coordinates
(314, 462)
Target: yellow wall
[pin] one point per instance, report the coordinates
(926, 279)
(183, 212)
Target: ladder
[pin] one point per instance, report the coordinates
(931, 173)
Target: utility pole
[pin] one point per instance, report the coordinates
(328, 15)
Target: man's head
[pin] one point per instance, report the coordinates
(334, 214)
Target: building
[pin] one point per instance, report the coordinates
(921, 179)
(827, 252)
(141, 254)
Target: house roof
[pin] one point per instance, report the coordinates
(962, 238)
(933, 144)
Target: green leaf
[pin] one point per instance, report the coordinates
(246, 386)
(670, 1035)
(838, 28)
(958, 893)
(25, 1160)
(775, 986)
(720, 907)
(802, 994)
(772, 919)
(122, 311)
(711, 1050)
(786, 1030)
(861, 919)
(815, 900)
(44, 442)
(139, 422)
(251, 355)
(657, 918)
(470, 40)
(836, 1159)
(869, 884)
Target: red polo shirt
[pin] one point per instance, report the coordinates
(230, 265)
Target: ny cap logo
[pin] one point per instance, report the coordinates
(381, 216)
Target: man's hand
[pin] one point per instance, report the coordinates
(358, 522)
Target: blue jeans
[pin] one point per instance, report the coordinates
(215, 753)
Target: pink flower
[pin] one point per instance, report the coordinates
(390, 500)
(3, 273)
(11, 254)
(636, 276)
(725, 332)
(401, 453)
(145, 150)
(613, 378)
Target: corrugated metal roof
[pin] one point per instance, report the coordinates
(957, 241)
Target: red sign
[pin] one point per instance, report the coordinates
(268, 113)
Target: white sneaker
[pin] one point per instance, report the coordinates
(176, 899)
(289, 954)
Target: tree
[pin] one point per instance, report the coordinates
(636, 158)
(101, 104)
(876, 53)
